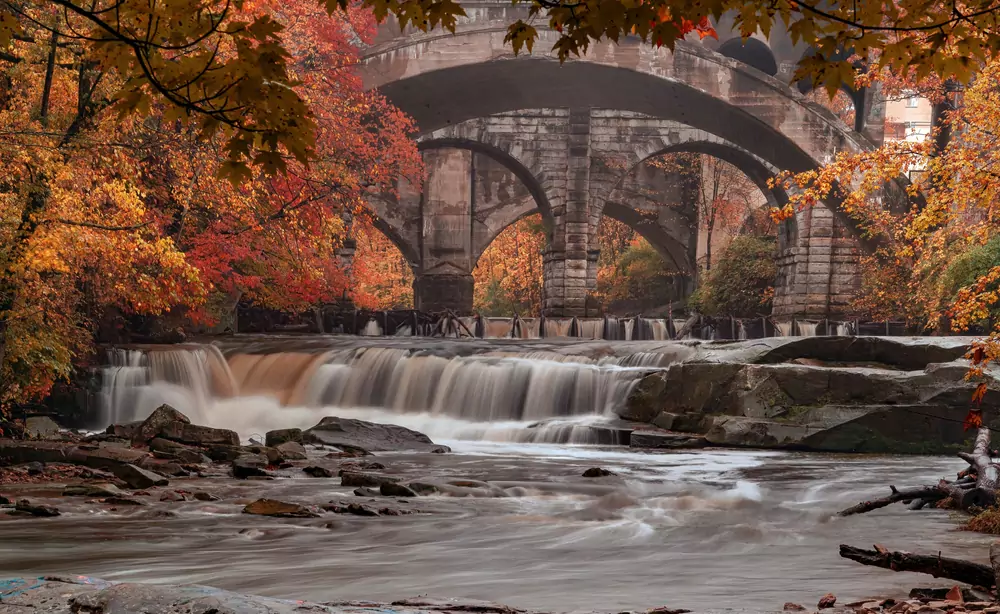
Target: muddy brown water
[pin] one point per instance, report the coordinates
(700, 530)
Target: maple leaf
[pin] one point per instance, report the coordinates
(974, 419)
(979, 393)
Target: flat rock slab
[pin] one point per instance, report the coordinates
(71, 595)
(348, 434)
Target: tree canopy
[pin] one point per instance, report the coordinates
(223, 66)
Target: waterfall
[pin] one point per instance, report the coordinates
(372, 329)
(783, 329)
(806, 329)
(517, 396)
(630, 329)
(498, 328)
(557, 327)
(741, 330)
(590, 328)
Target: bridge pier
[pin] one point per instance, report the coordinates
(443, 292)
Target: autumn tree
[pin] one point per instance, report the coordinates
(100, 212)
(742, 283)
(382, 278)
(508, 275)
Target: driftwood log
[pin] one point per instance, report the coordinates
(935, 565)
(975, 488)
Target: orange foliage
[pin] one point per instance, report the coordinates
(509, 272)
(98, 212)
(382, 277)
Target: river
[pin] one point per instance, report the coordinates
(705, 530)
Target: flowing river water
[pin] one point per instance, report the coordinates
(699, 529)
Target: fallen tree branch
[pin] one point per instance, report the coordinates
(924, 493)
(975, 488)
(935, 565)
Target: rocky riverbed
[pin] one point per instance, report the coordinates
(520, 524)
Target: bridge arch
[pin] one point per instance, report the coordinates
(445, 80)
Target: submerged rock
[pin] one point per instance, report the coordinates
(392, 489)
(92, 490)
(27, 508)
(598, 472)
(278, 509)
(357, 478)
(348, 434)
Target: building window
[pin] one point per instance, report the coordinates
(911, 102)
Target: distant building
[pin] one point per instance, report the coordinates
(907, 119)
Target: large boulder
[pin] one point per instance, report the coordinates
(348, 434)
(41, 427)
(276, 438)
(655, 439)
(156, 422)
(198, 435)
(291, 450)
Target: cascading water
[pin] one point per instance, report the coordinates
(807, 329)
(523, 397)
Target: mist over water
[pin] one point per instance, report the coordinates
(705, 529)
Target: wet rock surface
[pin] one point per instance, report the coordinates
(837, 394)
(348, 435)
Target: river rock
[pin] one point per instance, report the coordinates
(136, 477)
(222, 453)
(793, 607)
(280, 436)
(422, 488)
(278, 509)
(200, 495)
(393, 489)
(317, 472)
(352, 508)
(179, 451)
(366, 492)
(272, 454)
(665, 440)
(359, 478)
(827, 601)
(291, 450)
(92, 490)
(125, 431)
(597, 472)
(123, 501)
(250, 465)
(41, 427)
(161, 417)
(348, 434)
(79, 594)
(27, 508)
(198, 435)
(163, 466)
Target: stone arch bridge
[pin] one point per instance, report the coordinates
(504, 137)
